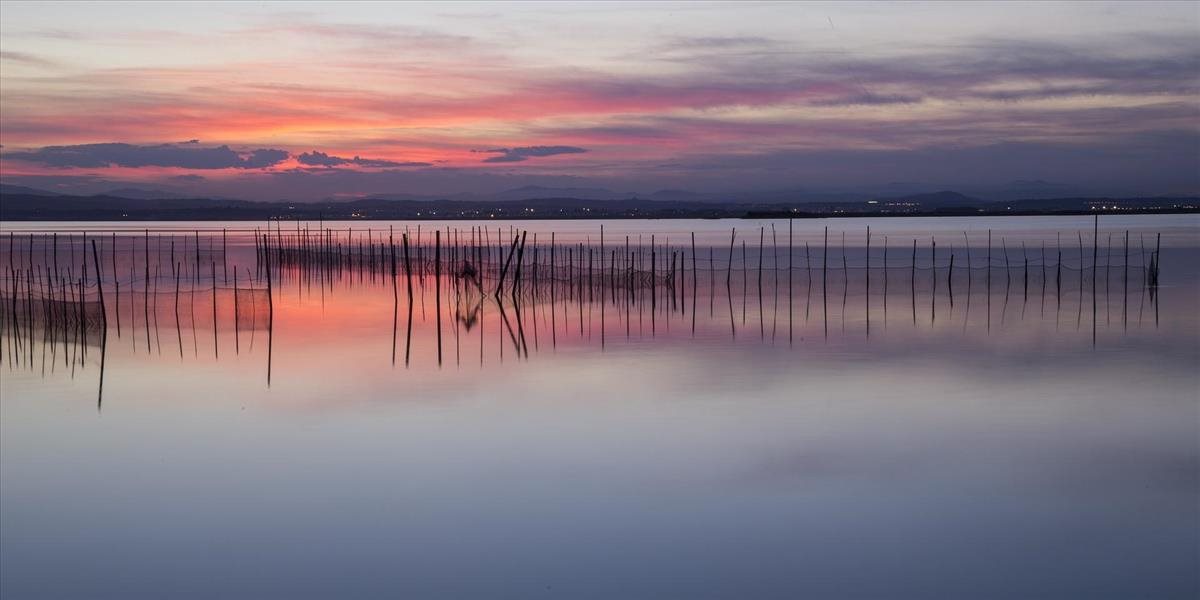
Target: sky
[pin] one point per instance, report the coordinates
(308, 101)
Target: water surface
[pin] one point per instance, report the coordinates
(818, 426)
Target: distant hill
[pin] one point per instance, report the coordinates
(1032, 189)
(16, 190)
(26, 204)
(684, 195)
(139, 193)
(530, 192)
(934, 200)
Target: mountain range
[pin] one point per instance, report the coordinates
(18, 203)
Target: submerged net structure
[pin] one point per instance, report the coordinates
(517, 264)
(180, 291)
(186, 281)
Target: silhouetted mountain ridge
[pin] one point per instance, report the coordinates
(16, 203)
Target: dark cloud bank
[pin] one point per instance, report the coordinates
(526, 152)
(320, 159)
(188, 155)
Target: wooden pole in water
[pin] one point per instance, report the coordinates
(82, 316)
(1158, 261)
(1125, 284)
(1095, 254)
(270, 312)
(408, 278)
(51, 308)
(132, 301)
(729, 270)
(867, 278)
(1043, 267)
(178, 332)
(1025, 256)
(100, 287)
(745, 275)
(117, 284)
(1007, 265)
(15, 322)
(761, 233)
(437, 286)
(950, 277)
(989, 265)
(216, 352)
(197, 276)
(1146, 273)
(671, 275)
(602, 270)
(1082, 264)
(695, 273)
(507, 261)
(914, 266)
(395, 292)
(612, 263)
(825, 259)
(885, 277)
(845, 264)
(146, 289)
(407, 266)
(224, 257)
(517, 274)
(653, 276)
(1058, 269)
(237, 331)
(790, 258)
(392, 265)
(1107, 270)
(629, 276)
(933, 266)
(535, 286)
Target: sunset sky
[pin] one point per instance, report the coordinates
(307, 101)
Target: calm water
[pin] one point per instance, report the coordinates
(830, 431)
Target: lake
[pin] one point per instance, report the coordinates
(772, 410)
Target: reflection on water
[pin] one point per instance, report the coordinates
(477, 410)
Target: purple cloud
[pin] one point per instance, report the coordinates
(526, 152)
(321, 159)
(187, 156)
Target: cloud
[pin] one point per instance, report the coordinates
(1138, 163)
(755, 100)
(714, 43)
(963, 82)
(868, 99)
(526, 152)
(1120, 165)
(26, 58)
(321, 159)
(187, 156)
(368, 35)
